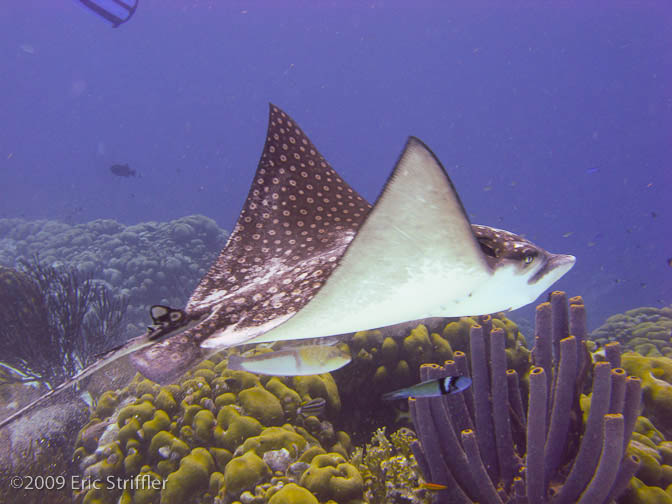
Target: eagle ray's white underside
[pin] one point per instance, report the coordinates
(414, 257)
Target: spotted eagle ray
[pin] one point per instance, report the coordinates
(309, 257)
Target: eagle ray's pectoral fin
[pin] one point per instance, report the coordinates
(165, 361)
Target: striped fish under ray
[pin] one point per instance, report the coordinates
(314, 407)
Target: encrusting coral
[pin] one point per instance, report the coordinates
(219, 436)
(653, 480)
(485, 447)
(656, 376)
(645, 330)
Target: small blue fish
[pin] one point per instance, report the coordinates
(590, 171)
(431, 388)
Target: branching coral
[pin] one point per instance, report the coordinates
(486, 448)
(389, 469)
(53, 322)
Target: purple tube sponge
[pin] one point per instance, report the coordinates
(536, 435)
(490, 446)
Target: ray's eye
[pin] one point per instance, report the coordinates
(528, 259)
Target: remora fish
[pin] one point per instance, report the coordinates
(431, 388)
(297, 361)
(309, 257)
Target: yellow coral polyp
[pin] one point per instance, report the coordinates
(244, 472)
(106, 404)
(171, 445)
(233, 428)
(165, 401)
(203, 424)
(160, 421)
(275, 438)
(331, 477)
(142, 412)
(260, 403)
(293, 494)
(192, 475)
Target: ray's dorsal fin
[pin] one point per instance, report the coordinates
(415, 248)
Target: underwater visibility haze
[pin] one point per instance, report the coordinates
(200, 306)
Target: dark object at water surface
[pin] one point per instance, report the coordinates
(116, 12)
(123, 170)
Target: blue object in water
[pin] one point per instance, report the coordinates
(115, 11)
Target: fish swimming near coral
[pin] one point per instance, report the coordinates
(314, 407)
(434, 487)
(431, 388)
(297, 361)
(122, 170)
(309, 257)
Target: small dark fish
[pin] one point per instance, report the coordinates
(314, 407)
(654, 215)
(122, 170)
(669, 262)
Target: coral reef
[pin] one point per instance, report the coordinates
(220, 436)
(653, 480)
(645, 330)
(389, 358)
(485, 447)
(150, 263)
(656, 376)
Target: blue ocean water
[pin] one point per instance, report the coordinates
(553, 121)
